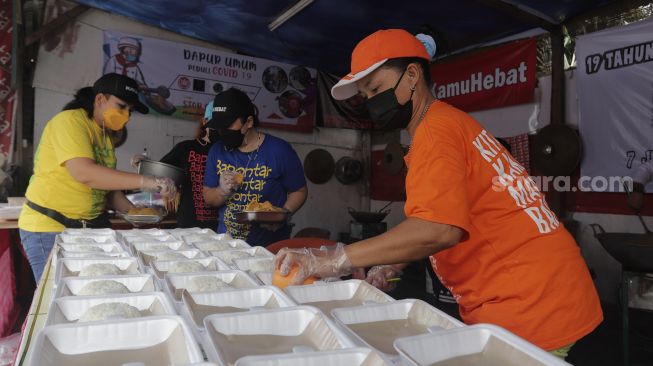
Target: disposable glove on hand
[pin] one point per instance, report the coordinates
(329, 261)
(378, 276)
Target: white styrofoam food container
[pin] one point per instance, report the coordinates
(81, 239)
(149, 239)
(210, 264)
(264, 277)
(112, 247)
(161, 340)
(71, 286)
(89, 232)
(344, 357)
(147, 257)
(66, 254)
(232, 336)
(9, 212)
(224, 244)
(255, 264)
(423, 316)
(228, 256)
(70, 267)
(141, 232)
(139, 246)
(331, 295)
(212, 236)
(493, 345)
(201, 304)
(70, 309)
(195, 230)
(176, 283)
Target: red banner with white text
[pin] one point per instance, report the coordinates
(498, 77)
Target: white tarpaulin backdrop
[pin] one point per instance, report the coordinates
(615, 92)
(179, 79)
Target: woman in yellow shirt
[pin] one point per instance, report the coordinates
(74, 177)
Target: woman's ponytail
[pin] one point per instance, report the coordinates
(85, 99)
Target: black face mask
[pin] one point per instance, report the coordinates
(386, 112)
(231, 139)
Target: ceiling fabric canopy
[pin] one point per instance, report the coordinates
(322, 34)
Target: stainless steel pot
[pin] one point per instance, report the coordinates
(159, 169)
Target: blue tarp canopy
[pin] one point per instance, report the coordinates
(323, 34)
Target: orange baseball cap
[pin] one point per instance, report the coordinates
(372, 52)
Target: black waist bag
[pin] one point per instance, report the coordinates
(102, 221)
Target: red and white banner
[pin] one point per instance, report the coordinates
(499, 77)
(615, 94)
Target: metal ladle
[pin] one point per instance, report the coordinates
(639, 216)
(386, 206)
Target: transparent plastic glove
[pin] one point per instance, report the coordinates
(378, 276)
(165, 186)
(136, 160)
(228, 183)
(329, 261)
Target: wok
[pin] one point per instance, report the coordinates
(368, 217)
(633, 251)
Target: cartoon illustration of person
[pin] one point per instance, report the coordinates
(126, 61)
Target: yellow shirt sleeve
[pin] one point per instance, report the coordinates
(71, 137)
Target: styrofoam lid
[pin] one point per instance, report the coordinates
(135, 283)
(345, 357)
(193, 238)
(72, 266)
(85, 247)
(72, 239)
(357, 291)
(402, 309)
(229, 255)
(72, 308)
(150, 239)
(155, 340)
(210, 264)
(104, 231)
(187, 231)
(225, 244)
(489, 343)
(256, 264)
(232, 336)
(233, 278)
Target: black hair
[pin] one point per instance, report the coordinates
(402, 63)
(85, 99)
(254, 115)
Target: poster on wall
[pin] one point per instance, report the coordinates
(615, 93)
(178, 80)
(7, 94)
(349, 113)
(494, 78)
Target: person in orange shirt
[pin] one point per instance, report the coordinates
(470, 207)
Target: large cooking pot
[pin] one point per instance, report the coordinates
(368, 217)
(633, 251)
(159, 169)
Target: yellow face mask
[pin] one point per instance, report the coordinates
(115, 119)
